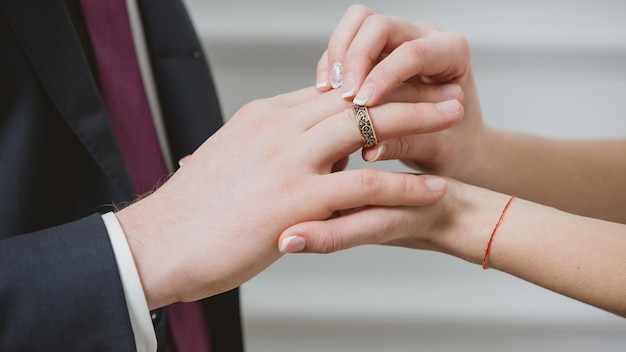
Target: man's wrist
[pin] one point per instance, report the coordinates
(145, 235)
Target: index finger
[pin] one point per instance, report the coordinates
(440, 57)
(378, 37)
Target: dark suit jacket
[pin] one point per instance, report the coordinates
(60, 166)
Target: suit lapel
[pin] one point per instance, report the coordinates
(61, 65)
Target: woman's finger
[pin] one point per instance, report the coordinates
(363, 225)
(407, 149)
(338, 45)
(423, 93)
(337, 136)
(440, 57)
(322, 74)
(379, 35)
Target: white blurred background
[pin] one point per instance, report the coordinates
(555, 68)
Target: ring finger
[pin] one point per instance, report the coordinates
(333, 138)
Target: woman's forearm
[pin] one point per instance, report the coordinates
(585, 177)
(580, 257)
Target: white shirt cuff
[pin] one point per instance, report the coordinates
(140, 320)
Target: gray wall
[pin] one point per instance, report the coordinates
(556, 68)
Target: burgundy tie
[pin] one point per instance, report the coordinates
(122, 90)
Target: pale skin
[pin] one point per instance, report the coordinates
(214, 224)
(573, 244)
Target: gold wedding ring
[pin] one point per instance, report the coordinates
(365, 125)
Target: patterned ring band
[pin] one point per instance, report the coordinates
(365, 125)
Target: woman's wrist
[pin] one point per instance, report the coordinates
(471, 214)
(480, 162)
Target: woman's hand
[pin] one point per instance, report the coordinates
(214, 224)
(379, 53)
(562, 252)
(458, 224)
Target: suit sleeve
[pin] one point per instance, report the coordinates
(60, 290)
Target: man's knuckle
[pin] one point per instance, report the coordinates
(371, 181)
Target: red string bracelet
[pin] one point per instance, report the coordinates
(493, 233)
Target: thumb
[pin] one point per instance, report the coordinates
(401, 148)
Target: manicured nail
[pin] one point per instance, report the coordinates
(450, 90)
(373, 154)
(322, 80)
(435, 184)
(336, 75)
(348, 85)
(364, 95)
(292, 244)
(448, 106)
(180, 163)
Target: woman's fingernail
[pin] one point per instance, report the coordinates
(364, 95)
(349, 84)
(435, 184)
(450, 90)
(322, 80)
(448, 106)
(336, 75)
(180, 163)
(292, 244)
(373, 154)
